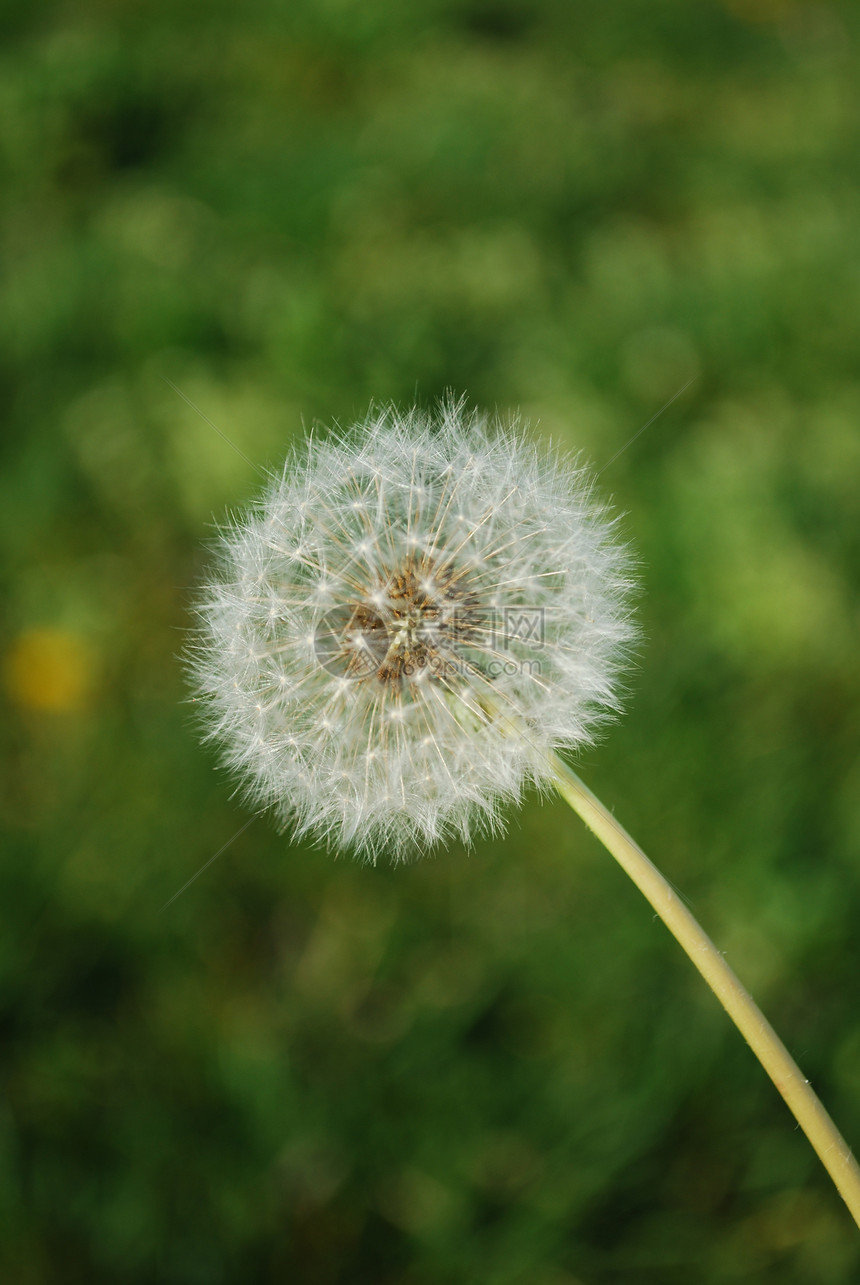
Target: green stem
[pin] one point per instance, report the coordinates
(831, 1147)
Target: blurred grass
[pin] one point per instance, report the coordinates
(486, 1068)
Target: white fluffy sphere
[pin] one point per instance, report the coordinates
(402, 598)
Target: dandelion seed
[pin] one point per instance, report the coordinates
(394, 586)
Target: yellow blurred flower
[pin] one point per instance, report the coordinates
(49, 669)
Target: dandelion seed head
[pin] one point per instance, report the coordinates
(398, 596)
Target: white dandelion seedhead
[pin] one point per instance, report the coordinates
(401, 596)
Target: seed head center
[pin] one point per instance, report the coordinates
(427, 613)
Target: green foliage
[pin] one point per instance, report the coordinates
(488, 1068)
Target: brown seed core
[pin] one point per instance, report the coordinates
(422, 615)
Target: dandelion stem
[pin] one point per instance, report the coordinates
(832, 1149)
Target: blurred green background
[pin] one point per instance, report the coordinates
(492, 1067)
